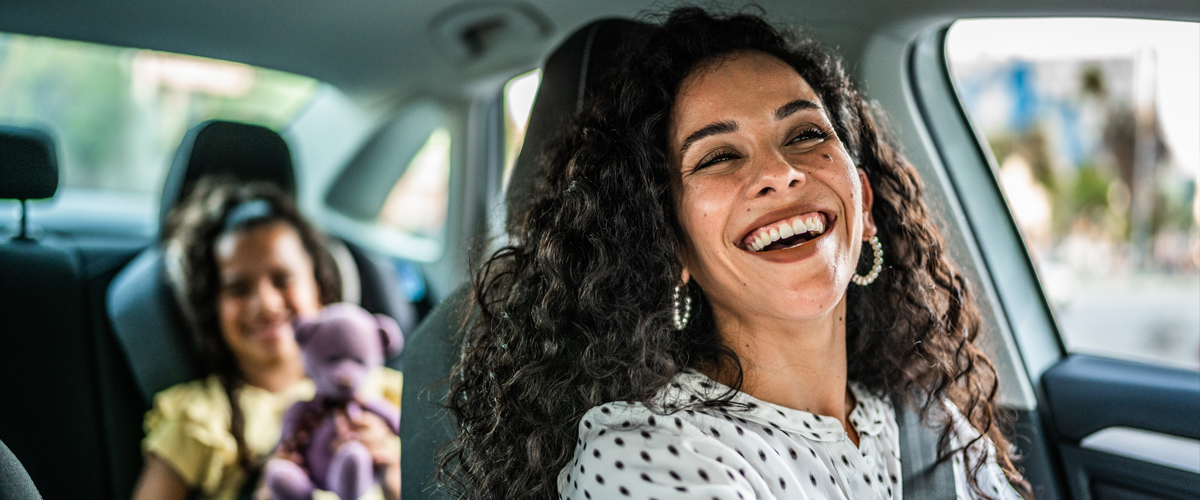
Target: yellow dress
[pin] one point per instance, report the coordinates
(188, 428)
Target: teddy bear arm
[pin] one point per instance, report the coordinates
(293, 416)
(388, 411)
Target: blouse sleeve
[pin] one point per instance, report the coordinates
(187, 428)
(648, 456)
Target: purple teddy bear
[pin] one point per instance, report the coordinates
(340, 347)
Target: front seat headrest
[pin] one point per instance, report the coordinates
(28, 165)
(569, 76)
(229, 149)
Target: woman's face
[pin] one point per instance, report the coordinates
(773, 209)
(266, 280)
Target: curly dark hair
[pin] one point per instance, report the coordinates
(191, 235)
(571, 314)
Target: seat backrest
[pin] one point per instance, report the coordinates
(49, 412)
(578, 64)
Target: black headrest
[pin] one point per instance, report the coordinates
(237, 150)
(569, 75)
(28, 165)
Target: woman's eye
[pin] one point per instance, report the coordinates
(716, 157)
(812, 134)
(281, 280)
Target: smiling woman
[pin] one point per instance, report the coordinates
(735, 167)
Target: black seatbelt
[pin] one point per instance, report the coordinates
(924, 477)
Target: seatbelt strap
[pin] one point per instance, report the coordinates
(924, 477)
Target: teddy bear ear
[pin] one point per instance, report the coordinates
(389, 333)
(304, 328)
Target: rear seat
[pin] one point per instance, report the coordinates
(50, 415)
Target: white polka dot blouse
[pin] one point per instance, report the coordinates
(763, 452)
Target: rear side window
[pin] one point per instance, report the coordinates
(118, 114)
(519, 94)
(1094, 127)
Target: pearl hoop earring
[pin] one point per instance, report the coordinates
(681, 317)
(875, 268)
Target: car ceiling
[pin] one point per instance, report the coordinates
(378, 51)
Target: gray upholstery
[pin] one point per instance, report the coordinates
(923, 475)
(15, 483)
(145, 317)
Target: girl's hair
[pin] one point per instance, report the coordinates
(216, 207)
(576, 310)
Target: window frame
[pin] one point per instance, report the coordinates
(971, 173)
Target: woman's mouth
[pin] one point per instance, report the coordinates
(786, 233)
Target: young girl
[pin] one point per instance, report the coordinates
(250, 265)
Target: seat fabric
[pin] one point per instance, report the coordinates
(15, 483)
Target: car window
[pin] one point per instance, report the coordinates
(418, 202)
(1094, 130)
(118, 114)
(519, 94)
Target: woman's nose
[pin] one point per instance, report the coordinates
(774, 174)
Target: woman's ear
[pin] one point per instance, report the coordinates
(868, 200)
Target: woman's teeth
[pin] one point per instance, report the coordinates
(808, 226)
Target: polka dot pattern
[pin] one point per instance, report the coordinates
(763, 452)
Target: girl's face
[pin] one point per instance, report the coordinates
(773, 209)
(266, 280)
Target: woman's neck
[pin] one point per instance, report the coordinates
(799, 365)
(273, 376)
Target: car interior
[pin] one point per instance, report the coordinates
(91, 329)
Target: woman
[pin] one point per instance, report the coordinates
(675, 316)
(250, 264)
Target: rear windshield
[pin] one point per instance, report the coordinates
(118, 114)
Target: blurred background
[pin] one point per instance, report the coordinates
(1094, 130)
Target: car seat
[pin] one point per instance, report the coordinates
(49, 412)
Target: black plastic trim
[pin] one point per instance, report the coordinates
(1088, 393)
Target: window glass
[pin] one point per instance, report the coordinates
(418, 202)
(118, 113)
(1094, 126)
(519, 94)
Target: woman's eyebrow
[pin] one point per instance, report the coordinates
(788, 109)
(724, 127)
